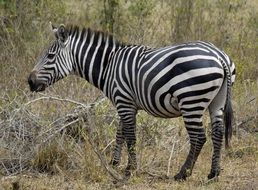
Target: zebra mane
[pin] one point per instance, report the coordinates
(75, 30)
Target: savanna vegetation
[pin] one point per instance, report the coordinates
(49, 140)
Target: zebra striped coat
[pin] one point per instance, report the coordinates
(180, 80)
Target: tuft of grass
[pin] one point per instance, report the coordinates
(51, 158)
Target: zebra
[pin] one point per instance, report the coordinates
(182, 80)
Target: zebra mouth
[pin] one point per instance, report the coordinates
(37, 87)
(40, 88)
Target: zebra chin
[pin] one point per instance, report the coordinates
(38, 87)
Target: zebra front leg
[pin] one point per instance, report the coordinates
(126, 132)
(128, 123)
(118, 146)
(197, 139)
(130, 138)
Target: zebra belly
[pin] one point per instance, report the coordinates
(165, 108)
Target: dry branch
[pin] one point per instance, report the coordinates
(245, 121)
(103, 161)
(81, 114)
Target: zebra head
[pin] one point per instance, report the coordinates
(55, 63)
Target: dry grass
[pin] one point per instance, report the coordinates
(240, 171)
(55, 153)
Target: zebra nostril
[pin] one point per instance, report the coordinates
(30, 81)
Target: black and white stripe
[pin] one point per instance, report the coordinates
(181, 80)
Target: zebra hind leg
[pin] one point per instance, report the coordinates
(216, 109)
(217, 137)
(118, 146)
(197, 136)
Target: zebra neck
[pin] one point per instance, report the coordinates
(92, 51)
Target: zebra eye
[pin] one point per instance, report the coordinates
(51, 55)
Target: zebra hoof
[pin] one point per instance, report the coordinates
(129, 170)
(180, 177)
(213, 174)
(128, 173)
(114, 163)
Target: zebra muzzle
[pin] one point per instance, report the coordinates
(35, 85)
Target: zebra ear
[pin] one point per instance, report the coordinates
(62, 33)
(53, 28)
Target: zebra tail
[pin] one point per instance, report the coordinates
(228, 115)
(228, 111)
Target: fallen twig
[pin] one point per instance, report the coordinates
(103, 161)
(239, 124)
(108, 145)
(171, 154)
